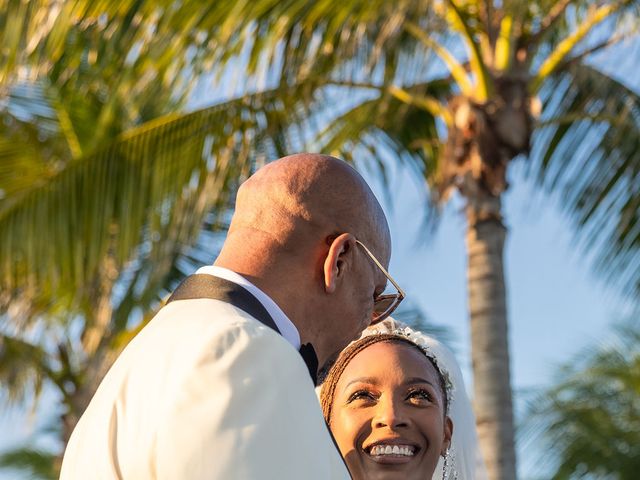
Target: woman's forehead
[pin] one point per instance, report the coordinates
(389, 360)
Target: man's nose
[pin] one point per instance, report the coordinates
(390, 413)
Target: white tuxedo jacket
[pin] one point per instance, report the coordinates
(205, 391)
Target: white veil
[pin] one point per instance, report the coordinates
(464, 450)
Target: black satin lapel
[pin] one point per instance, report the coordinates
(310, 358)
(207, 286)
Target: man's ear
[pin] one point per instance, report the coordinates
(334, 263)
(448, 432)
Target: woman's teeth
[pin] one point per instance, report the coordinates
(406, 450)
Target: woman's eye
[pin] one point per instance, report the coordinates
(361, 395)
(420, 395)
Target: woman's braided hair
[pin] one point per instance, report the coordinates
(327, 392)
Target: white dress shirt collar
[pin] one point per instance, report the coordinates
(287, 329)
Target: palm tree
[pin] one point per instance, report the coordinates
(457, 89)
(588, 422)
(107, 196)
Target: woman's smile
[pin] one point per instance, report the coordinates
(392, 451)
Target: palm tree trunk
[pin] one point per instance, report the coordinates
(489, 338)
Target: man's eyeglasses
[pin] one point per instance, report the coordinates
(383, 305)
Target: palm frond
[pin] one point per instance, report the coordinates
(299, 41)
(589, 152)
(38, 464)
(377, 126)
(551, 23)
(564, 47)
(115, 201)
(402, 127)
(23, 368)
(155, 41)
(158, 39)
(588, 421)
(466, 21)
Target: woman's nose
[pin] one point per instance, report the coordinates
(389, 413)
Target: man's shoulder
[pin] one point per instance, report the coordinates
(209, 326)
(211, 339)
(208, 315)
(196, 341)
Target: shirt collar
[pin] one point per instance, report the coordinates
(286, 327)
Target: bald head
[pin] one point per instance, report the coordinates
(294, 235)
(289, 201)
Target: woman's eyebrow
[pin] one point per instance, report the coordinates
(370, 380)
(414, 380)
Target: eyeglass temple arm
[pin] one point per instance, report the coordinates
(384, 270)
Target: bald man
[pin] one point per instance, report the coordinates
(220, 384)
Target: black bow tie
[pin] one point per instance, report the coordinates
(309, 356)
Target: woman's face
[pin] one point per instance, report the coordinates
(388, 414)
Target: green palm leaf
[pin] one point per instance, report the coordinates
(589, 151)
(588, 422)
(23, 367)
(106, 205)
(39, 464)
(385, 125)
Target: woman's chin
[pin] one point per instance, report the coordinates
(392, 456)
(389, 467)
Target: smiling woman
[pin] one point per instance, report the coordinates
(389, 418)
